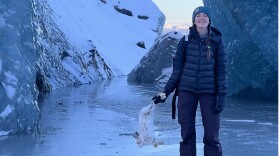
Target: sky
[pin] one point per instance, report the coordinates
(178, 11)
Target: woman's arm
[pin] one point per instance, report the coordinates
(178, 64)
(221, 69)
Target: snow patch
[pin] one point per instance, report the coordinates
(10, 90)
(10, 78)
(165, 74)
(3, 133)
(1, 66)
(6, 111)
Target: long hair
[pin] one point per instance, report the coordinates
(207, 41)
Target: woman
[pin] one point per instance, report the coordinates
(199, 71)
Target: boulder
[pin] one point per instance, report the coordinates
(250, 34)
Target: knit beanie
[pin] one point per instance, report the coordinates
(201, 9)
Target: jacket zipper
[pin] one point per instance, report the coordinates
(198, 70)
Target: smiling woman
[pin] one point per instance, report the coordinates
(178, 11)
(201, 52)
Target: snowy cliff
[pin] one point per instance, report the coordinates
(83, 41)
(48, 44)
(250, 32)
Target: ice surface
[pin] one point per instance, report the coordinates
(101, 118)
(241, 120)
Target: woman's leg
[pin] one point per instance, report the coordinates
(187, 105)
(211, 124)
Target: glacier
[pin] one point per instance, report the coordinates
(18, 108)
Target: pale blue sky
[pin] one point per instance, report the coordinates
(178, 11)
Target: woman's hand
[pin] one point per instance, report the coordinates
(160, 98)
(220, 103)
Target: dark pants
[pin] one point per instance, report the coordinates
(187, 105)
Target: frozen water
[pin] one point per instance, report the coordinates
(100, 119)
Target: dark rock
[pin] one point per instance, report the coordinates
(143, 17)
(123, 11)
(42, 83)
(103, 1)
(141, 44)
(250, 34)
(64, 54)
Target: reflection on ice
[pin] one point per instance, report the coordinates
(241, 120)
(266, 123)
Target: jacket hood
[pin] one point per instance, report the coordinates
(215, 34)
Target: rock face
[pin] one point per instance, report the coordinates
(250, 33)
(62, 63)
(156, 65)
(18, 94)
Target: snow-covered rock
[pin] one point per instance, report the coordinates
(156, 65)
(84, 41)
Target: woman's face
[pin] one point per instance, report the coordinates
(201, 20)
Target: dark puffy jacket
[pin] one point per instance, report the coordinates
(193, 71)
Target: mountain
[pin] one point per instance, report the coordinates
(178, 27)
(48, 44)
